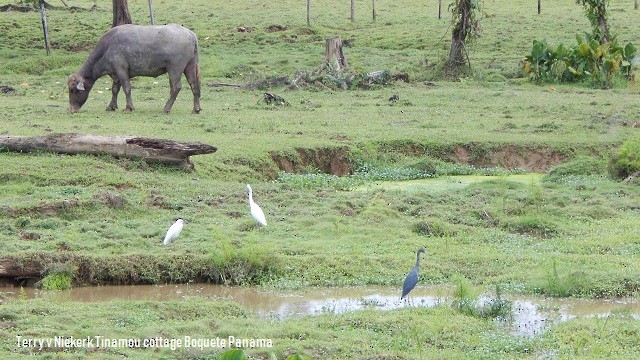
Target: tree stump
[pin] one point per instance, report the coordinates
(151, 150)
(334, 57)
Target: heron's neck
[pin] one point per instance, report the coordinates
(418, 260)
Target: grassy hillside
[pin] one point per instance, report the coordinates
(570, 232)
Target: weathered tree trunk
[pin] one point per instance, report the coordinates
(151, 150)
(457, 53)
(604, 27)
(43, 15)
(121, 13)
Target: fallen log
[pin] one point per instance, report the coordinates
(151, 150)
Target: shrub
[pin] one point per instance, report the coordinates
(59, 276)
(587, 60)
(627, 160)
(59, 281)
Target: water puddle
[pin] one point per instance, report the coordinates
(450, 182)
(531, 316)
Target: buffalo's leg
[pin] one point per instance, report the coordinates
(115, 89)
(125, 82)
(192, 72)
(174, 88)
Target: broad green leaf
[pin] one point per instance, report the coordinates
(234, 354)
(585, 50)
(630, 51)
(537, 51)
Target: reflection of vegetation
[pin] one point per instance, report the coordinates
(466, 301)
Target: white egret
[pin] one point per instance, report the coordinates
(256, 211)
(412, 278)
(173, 231)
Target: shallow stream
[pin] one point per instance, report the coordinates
(531, 315)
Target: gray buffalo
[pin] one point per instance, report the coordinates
(127, 51)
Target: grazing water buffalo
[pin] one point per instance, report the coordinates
(127, 51)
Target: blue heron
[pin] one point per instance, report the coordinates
(412, 279)
(256, 211)
(173, 231)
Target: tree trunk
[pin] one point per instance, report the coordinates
(602, 23)
(121, 13)
(151, 150)
(457, 53)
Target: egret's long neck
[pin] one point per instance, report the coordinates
(250, 196)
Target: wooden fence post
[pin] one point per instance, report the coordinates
(43, 15)
(151, 14)
(373, 7)
(353, 10)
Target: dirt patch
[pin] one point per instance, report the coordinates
(43, 210)
(509, 157)
(333, 161)
(276, 28)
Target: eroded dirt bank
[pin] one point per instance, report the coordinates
(336, 161)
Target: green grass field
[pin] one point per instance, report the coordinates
(570, 232)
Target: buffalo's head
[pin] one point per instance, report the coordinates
(79, 89)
